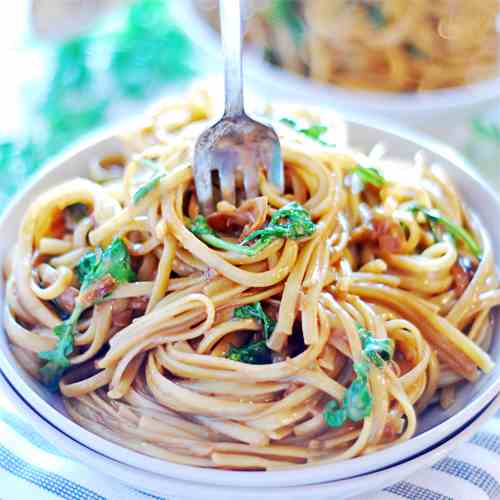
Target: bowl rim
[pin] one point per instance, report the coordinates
(132, 476)
(302, 475)
(284, 82)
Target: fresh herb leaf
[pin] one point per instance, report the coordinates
(369, 175)
(333, 415)
(146, 188)
(92, 268)
(115, 261)
(314, 132)
(86, 264)
(357, 402)
(64, 346)
(376, 350)
(52, 372)
(286, 12)
(200, 228)
(295, 219)
(434, 218)
(152, 183)
(358, 399)
(290, 221)
(255, 353)
(58, 358)
(256, 311)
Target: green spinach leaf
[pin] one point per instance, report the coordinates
(93, 267)
(58, 358)
(369, 175)
(291, 221)
(357, 402)
(256, 311)
(314, 131)
(255, 353)
(146, 188)
(115, 261)
(434, 218)
(378, 351)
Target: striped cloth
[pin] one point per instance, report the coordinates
(31, 468)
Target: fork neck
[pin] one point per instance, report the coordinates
(231, 21)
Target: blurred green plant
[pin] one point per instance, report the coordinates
(74, 103)
(148, 51)
(90, 75)
(482, 145)
(486, 129)
(286, 12)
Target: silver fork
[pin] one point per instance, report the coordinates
(236, 143)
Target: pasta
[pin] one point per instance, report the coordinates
(384, 45)
(296, 329)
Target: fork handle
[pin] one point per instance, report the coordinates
(231, 22)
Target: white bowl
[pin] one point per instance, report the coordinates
(160, 485)
(435, 425)
(436, 111)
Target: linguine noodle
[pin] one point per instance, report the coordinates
(379, 310)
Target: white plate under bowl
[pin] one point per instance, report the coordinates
(174, 488)
(434, 426)
(434, 110)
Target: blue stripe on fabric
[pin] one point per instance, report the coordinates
(414, 492)
(28, 433)
(470, 473)
(488, 441)
(47, 481)
(149, 495)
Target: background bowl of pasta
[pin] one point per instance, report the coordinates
(388, 351)
(418, 62)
